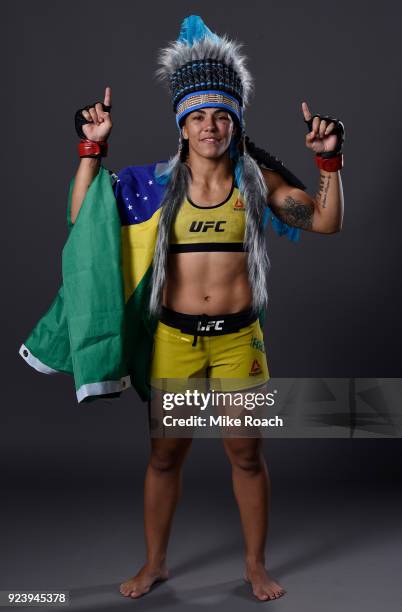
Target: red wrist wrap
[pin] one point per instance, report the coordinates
(330, 164)
(89, 148)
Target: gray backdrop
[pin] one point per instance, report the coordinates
(335, 301)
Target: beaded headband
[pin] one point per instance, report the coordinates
(204, 99)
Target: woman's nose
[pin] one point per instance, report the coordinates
(210, 124)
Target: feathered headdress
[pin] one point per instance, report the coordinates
(203, 69)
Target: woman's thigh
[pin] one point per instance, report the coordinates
(169, 416)
(175, 359)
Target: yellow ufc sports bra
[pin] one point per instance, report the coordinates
(209, 228)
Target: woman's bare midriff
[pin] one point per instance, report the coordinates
(207, 282)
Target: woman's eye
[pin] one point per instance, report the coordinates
(220, 117)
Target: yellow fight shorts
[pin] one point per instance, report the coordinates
(227, 348)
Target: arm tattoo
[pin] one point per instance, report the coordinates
(296, 214)
(322, 193)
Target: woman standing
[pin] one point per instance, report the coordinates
(208, 287)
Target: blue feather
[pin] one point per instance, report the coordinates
(193, 28)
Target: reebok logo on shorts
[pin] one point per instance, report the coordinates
(255, 368)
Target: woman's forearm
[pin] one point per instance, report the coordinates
(87, 170)
(329, 201)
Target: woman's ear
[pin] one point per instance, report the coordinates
(184, 133)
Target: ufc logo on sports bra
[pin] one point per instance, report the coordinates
(204, 226)
(210, 325)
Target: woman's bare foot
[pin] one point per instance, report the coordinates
(142, 582)
(264, 587)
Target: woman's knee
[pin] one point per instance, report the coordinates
(244, 454)
(168, 454)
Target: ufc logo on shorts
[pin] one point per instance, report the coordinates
(204, 226)
(210, 325)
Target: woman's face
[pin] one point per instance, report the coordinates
(209, 131)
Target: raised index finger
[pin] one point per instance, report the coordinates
(306, 111)
(108, 97)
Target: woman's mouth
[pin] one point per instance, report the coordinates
(210, 140)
